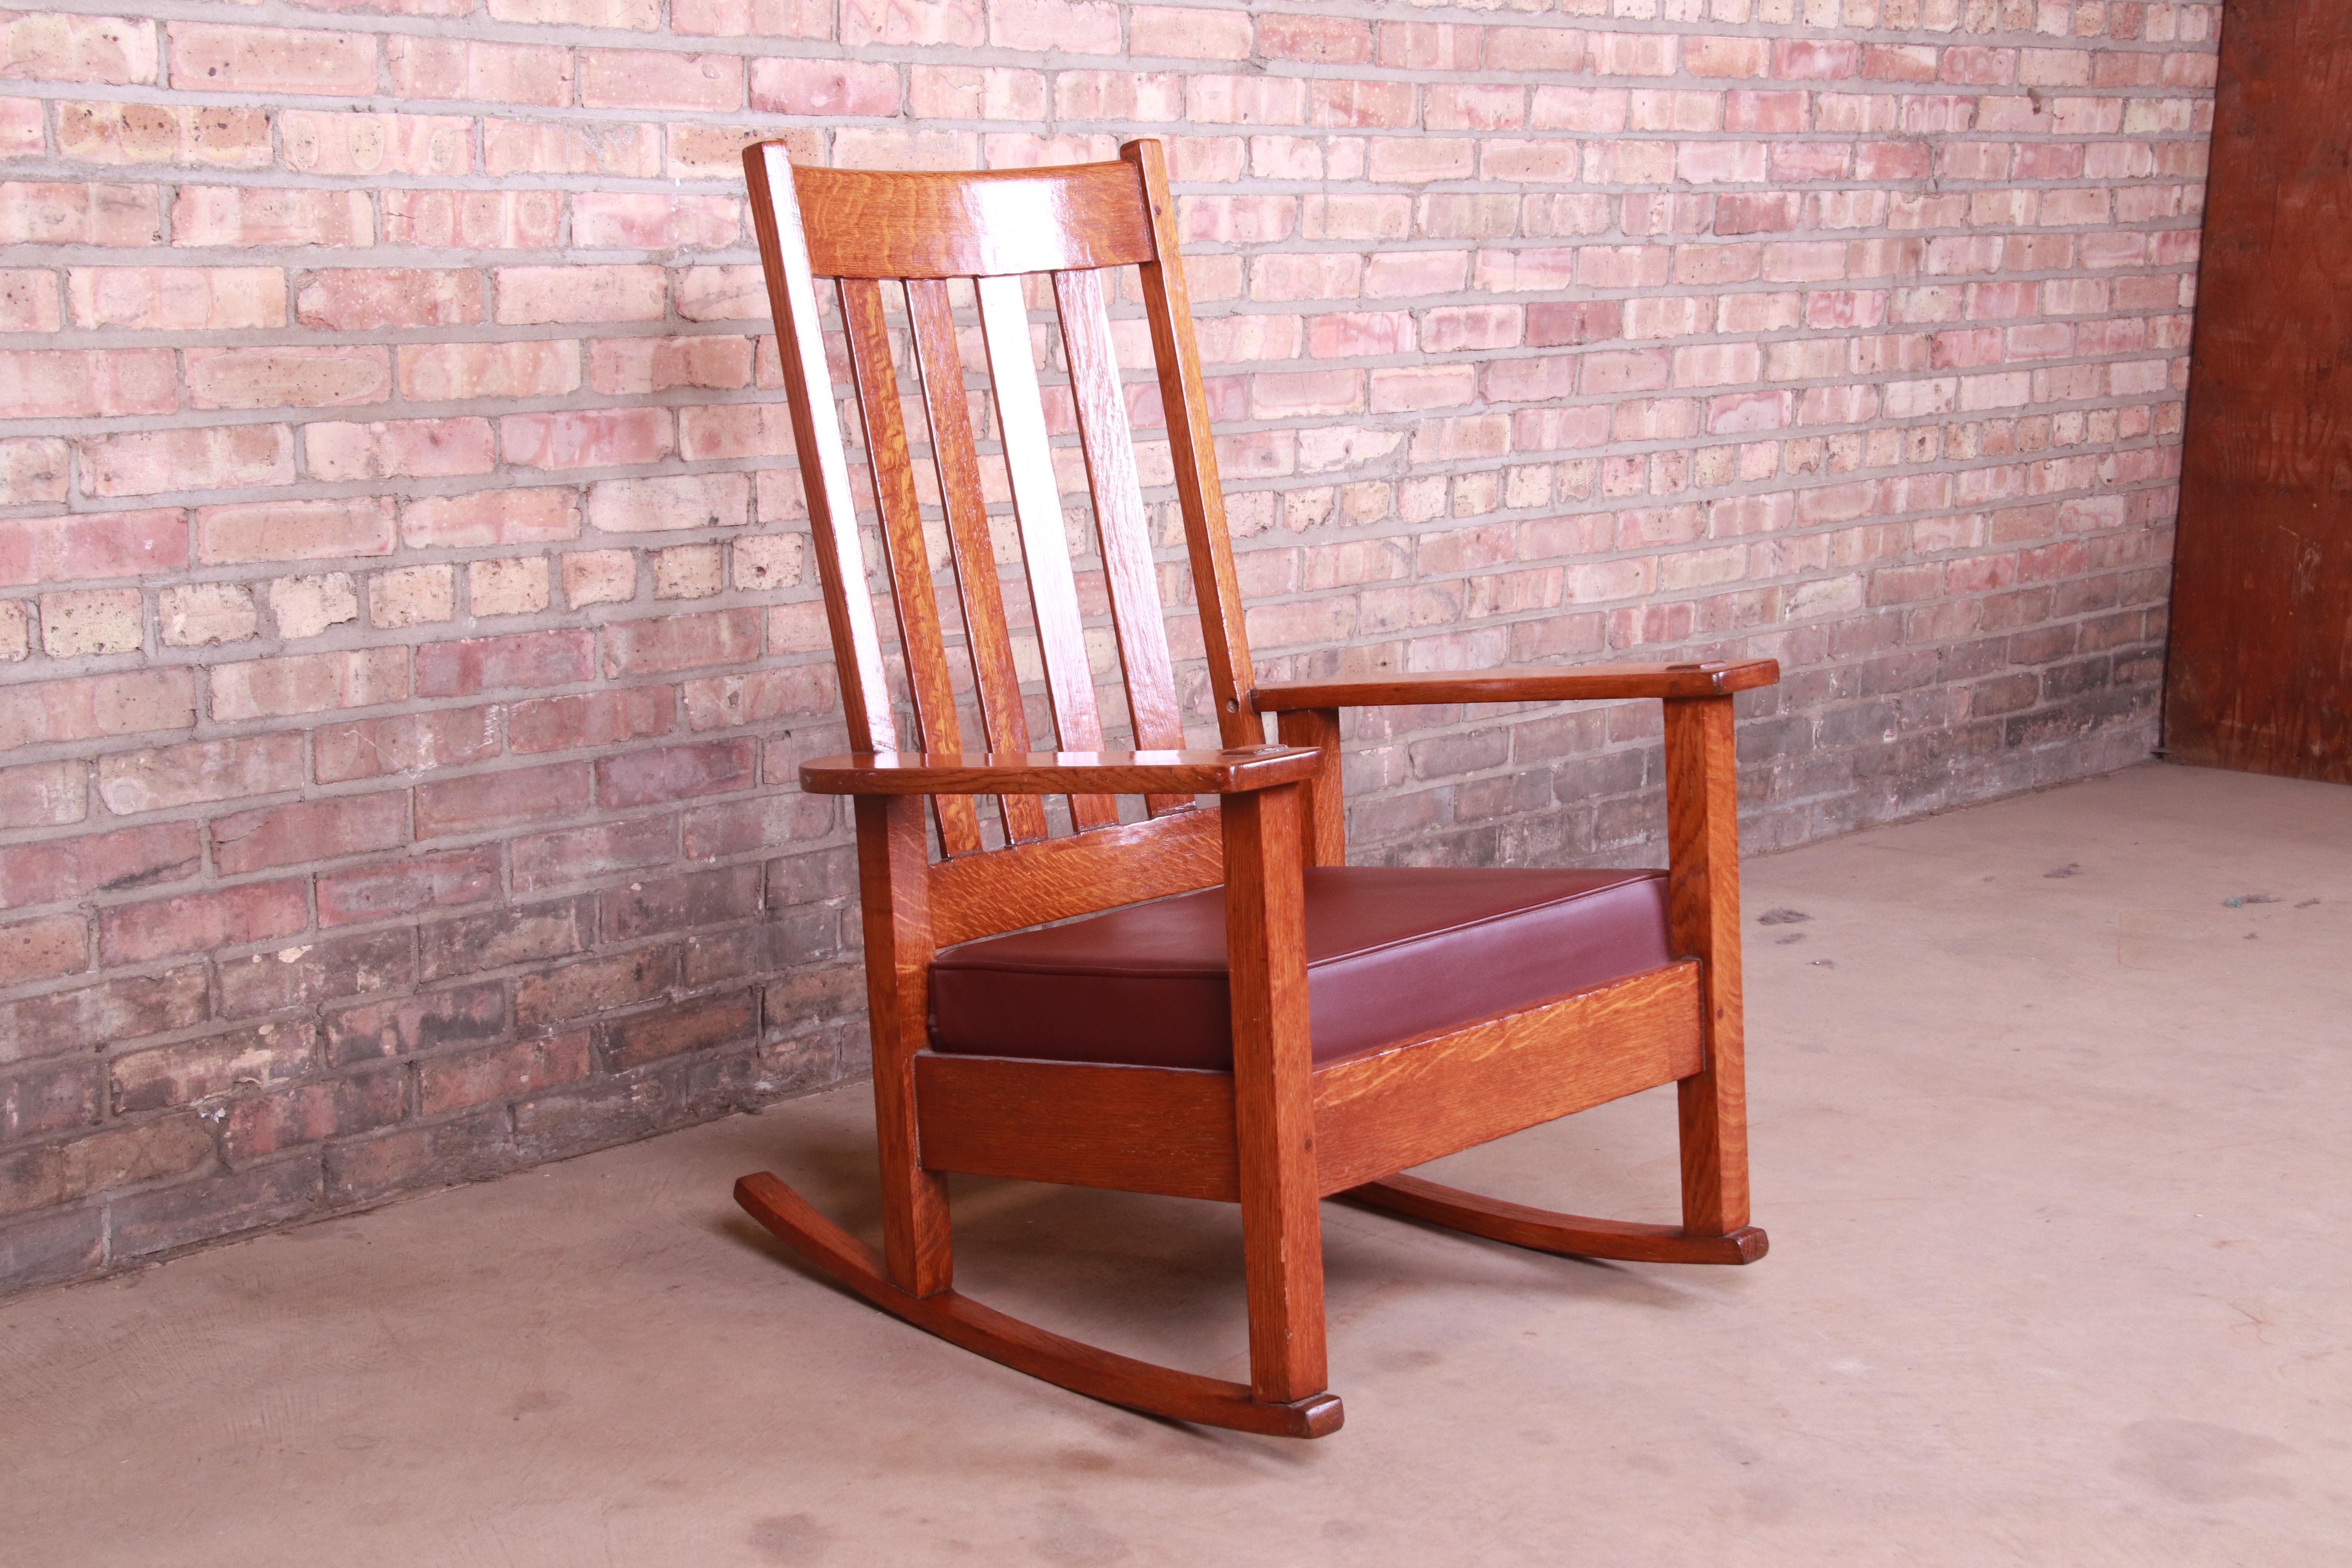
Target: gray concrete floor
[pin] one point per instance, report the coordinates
(2050, 1141)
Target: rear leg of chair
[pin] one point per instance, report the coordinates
(1067, 1363)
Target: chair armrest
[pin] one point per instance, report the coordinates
(1236, 772)
(1570, 683)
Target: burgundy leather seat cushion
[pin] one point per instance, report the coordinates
(1391, 952)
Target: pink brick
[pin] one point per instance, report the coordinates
(499, 73)
(634, 367)
(84, 383)
(59, 47)
(671, 643)
(98, 545)
(1349, 104)
(533, 367)
(1188, 33)
(587, 438)
(361, 299)
(751, 18)
(407, 886)
(1531, 48)
(203, 922)
(43, 949)
(920, 22)
(660, 78)
(487, 800)
(250, 216)
(151, 462)
(46, 795)
(308, 830)
(398, 448)
(177, 299)
(473, 220)
(34, 214)
(1632, 54)
(309, 683)
(273, 59)
(1074, 27)
(97, 707)
(1728, 56)
(291, 376)
(1828, 59)
(293, 531)
(415, 742)
(1322, 40)
(532, 295)
(645, 220)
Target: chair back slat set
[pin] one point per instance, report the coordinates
(869, 232)
(1450, 1009)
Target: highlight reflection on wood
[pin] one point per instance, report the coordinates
(1277, 1131)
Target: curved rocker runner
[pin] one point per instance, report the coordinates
(1200, 1000)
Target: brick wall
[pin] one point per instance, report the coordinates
(405, 644)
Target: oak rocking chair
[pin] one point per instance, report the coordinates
(1244, 1016)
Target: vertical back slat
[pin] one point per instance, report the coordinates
(949, 408)
(1198, 485)
(816, 430)
(910, 562)
(1045, 544)
(1119, 522)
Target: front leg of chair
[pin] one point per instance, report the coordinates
(1274, 1105)
(894, 885)
(1702, 893)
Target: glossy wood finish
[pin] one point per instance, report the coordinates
(2260, 672)
(1378, 1114)
(1081, 1368)
(1044, 546)
(936, 725)
(816, 436)
(1276, 1133)
(1122, 529)
(1171, 1130)
(1273, 1101)
(1572, 1235)
(1200, 491)
(1567, 683)
(902, 224)
(894, 902)
(978, 591)
(1327, 811)
(1062, 878)
(1168, 1131)
(1052, 772)
(1703, 906)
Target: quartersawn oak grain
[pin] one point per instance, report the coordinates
(1057, 772)
(1277, 1131)
(1567, 683)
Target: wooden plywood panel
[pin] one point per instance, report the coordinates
(2260, 676)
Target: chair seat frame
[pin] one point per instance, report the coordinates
(1277, 1134)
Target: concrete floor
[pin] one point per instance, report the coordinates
(2051, 1141)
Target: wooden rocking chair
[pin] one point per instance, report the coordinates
(1312, 1028)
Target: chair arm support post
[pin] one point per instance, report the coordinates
(1327, 813)
(1703, 900)
(894, 901)
(1273, 1096)
(1234, 771)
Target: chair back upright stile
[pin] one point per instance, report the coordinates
(872, 233)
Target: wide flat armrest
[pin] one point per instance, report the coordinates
(1235, 772)
(1564, 683)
